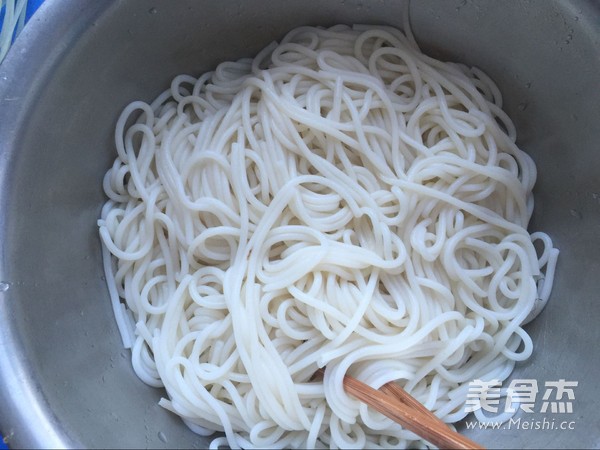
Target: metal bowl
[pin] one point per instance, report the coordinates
(64, 379)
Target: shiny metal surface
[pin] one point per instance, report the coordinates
(64, 379)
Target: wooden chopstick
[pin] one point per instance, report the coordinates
(395, 403)
(397, 391)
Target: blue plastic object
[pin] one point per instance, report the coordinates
(32, 6)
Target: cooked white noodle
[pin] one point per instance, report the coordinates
(342, 200)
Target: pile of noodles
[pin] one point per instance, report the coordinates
(341, 200)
